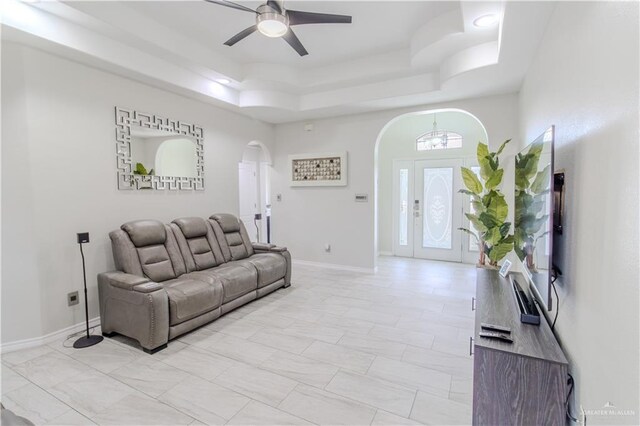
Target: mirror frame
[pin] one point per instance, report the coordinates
(127, 180)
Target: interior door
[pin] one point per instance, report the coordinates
(248, 196)
(437, 210)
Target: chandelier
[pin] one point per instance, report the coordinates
(438, 139)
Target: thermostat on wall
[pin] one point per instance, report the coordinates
(362, 198)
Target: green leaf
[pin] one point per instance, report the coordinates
(471, 181)
(521, 180)
(542, 180)
(495, 179)
(485, 168)
(470, 232)
(482, 150)
(494, 162)
(476, 222)
(478, 207)
(504, 144)
(493, 236)
(509, 239)
(504, 229)
(499, 251)
(488, 220)
(140, 169)
(498, 208)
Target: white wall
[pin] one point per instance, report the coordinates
(585, 81)
(399, 142)
(309, 217)
(59, 178)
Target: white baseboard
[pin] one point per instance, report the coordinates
(385, 253)
(334, 266)
(51, 337)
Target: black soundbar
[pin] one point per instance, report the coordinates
(529, 313)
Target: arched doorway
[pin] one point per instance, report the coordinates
(418, 209)
(253, 190)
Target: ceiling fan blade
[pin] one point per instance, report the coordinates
(232, 5)
(297, 17)
(294, 42)
(273, 4)
(241, 35)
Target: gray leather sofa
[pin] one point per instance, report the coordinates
(177, 277)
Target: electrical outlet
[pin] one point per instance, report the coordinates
(327, 248)
(72, 298)
(279, 197)
(83, 237)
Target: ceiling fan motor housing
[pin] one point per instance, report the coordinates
(270, 22)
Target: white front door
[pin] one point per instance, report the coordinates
(437, 210)
(427, 209)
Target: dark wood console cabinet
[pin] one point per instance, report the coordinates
(523, 383)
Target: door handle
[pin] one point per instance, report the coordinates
(470, 346)
(473, 303)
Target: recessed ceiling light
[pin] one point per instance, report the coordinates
(486, 21)
(223, 81)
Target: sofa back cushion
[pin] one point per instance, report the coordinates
(197, 243)
(147, 248)
(232, 236)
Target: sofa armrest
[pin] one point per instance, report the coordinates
(135, 307)
(129, 282)
(264, 247)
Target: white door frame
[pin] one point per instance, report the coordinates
(249, 195)
(469, 253)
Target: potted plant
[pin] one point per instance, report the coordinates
(490, 209)
(145, 176)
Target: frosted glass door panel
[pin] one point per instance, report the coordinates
(403, 194)
(403, 225)
(437, 217)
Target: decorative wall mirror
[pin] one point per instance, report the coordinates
(154, 152)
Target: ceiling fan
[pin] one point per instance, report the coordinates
(273, 20)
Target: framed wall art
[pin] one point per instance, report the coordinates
(318, 169)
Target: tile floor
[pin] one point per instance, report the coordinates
(338, 347)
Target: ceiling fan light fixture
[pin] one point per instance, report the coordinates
(272, 28)
(272, 24)
(486, 21)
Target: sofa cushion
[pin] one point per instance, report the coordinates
(156, 263)
(237, 279)
(145, 232)
(270, 266)
(232, 237)
(189, 297)
(197, 243)
(192, 227)
(228, 222)
(153, 246)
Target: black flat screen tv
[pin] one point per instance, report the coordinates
(534, 214)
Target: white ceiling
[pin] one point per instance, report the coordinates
(394, 54)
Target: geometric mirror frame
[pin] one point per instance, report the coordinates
(127, 179)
